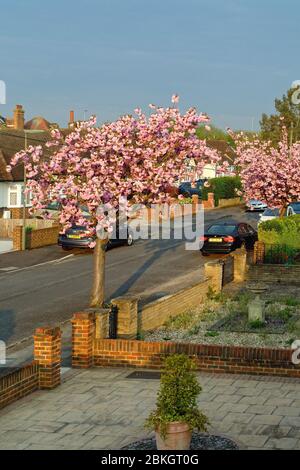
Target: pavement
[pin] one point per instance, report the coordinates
(105, 409)
(45, 286)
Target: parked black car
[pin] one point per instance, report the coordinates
(188, 189)
(80, 237)
(225, 237)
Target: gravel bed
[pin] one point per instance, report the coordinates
(195, 326)
(200, 441)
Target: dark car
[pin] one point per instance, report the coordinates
(188, 189)
(225, 237)
(80, 237)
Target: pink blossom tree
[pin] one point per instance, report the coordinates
(136, 157)
(269, 174)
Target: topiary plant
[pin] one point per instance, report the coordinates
(177, 397)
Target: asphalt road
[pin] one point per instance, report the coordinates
(49, 293)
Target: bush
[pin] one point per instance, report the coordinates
(224, 187)
(281, 231)
(177, 397)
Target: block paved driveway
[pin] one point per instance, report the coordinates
(103, 409)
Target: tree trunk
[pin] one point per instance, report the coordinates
(282, 212)
(97, 294)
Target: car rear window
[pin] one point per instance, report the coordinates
(270, 212)
(221, 229)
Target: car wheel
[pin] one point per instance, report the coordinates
(129, 240)
(204, 254)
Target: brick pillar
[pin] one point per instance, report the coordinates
(259, 252)
(83, 332)
(17, 237)
(127, 316)
(47, 352)
(214, 271)
(102, 323)
(240, 265)
(18, 117)
(211, 200)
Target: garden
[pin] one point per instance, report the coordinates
(225, 318)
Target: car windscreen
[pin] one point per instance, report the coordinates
(296, 207)
(271, 212)
(221, 229)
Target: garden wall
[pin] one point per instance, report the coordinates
(36, 238)
(213, 358)
(43, 373)
(18, 384)
(275, 273)
(235, 201)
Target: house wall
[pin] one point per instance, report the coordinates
(209, 171)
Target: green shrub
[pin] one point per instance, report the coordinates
(177, 397)
(224, 187)
(281, 231)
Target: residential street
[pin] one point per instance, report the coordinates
(47, 291)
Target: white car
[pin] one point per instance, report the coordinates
(255, 205)
(293, 208)
(268, 214)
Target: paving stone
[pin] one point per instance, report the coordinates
(291, 421)
(238, 417)
(287, 411)
(276, 431)
(285, 443)
(267, 419)
(254, 441)
(236, 407)
(253, 400)
(261, 409)
(280, 401)
(227, 398)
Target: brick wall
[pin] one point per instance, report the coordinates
(18, 384)
(154, 314)
(213, 358)
(275, 273)
(35, 238)
(235, 201)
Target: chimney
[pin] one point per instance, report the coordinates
(18, 117)
(71, 121)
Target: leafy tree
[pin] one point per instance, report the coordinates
(287, 113)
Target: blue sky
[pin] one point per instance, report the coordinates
(229, 58)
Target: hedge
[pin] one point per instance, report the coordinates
(281, 231)
(223, 187)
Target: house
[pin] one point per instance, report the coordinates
(11, 184)
(12, 140)
(226, 152)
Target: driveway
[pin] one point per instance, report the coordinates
(5, 245)
(106, 409)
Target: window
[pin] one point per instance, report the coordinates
(13, 196)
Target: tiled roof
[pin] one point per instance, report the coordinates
(11, 142)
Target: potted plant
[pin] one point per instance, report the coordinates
(177, 413)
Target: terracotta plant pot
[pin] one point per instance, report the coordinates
(178, 437)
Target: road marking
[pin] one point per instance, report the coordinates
(9, 268)
(13, 269)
